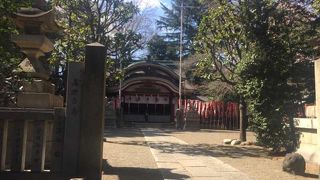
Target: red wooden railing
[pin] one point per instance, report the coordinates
(214, 114)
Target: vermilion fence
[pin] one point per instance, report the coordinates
(215, 114)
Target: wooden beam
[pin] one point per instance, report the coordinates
(28, 113)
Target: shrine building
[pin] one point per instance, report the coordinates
(150, 91)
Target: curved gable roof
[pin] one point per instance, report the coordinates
(149, 72)
(141, 65)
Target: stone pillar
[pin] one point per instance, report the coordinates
(317, 86)
(72, 124)
(92, 113)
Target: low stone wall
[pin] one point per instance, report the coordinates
(306, 123)
(310, 127)
(308, 139)
(310, 111)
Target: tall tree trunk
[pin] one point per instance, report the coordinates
(243, 119)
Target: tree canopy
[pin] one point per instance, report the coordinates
(258, 47)
(160, 49)
(103, 21)
(83, 22)
(170, 22)
(87, 21)
(10, 55)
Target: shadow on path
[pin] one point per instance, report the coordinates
(136, 173)
(308, 175)
(201, 149)
(128, 132)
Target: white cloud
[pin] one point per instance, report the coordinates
(143, 4)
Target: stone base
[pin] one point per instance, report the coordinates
(38, 86)
(310, 152)
(192, 125)
(192, 120)
(39, 100)
(308, 137)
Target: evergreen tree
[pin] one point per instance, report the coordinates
(273, 70)
(159, 49)
(193, 11)
(10, 55)
(258, 47)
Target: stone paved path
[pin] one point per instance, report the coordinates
(127, 156)
(176, 160)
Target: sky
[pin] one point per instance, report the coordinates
(151, 10)
(143, 4)
(148, 4)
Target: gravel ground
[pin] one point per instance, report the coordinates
(127, 156)
(251, 160)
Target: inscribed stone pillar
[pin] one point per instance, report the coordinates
(72, 125)
(92, 113)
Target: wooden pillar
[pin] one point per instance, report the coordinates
(171, 109)
(317, 89)
(129, 110)
(4, 143)
(155, 104)
(147, 110)
(138, 104)
(92, 113)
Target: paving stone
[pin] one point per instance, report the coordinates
(164, 158)
(221, 168)
(191, 163)
(175, 162)
(170, 165)
(155, 151)
(202, 171)
(183, 157)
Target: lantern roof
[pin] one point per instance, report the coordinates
(34, 19)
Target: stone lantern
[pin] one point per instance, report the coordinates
(33, 25)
